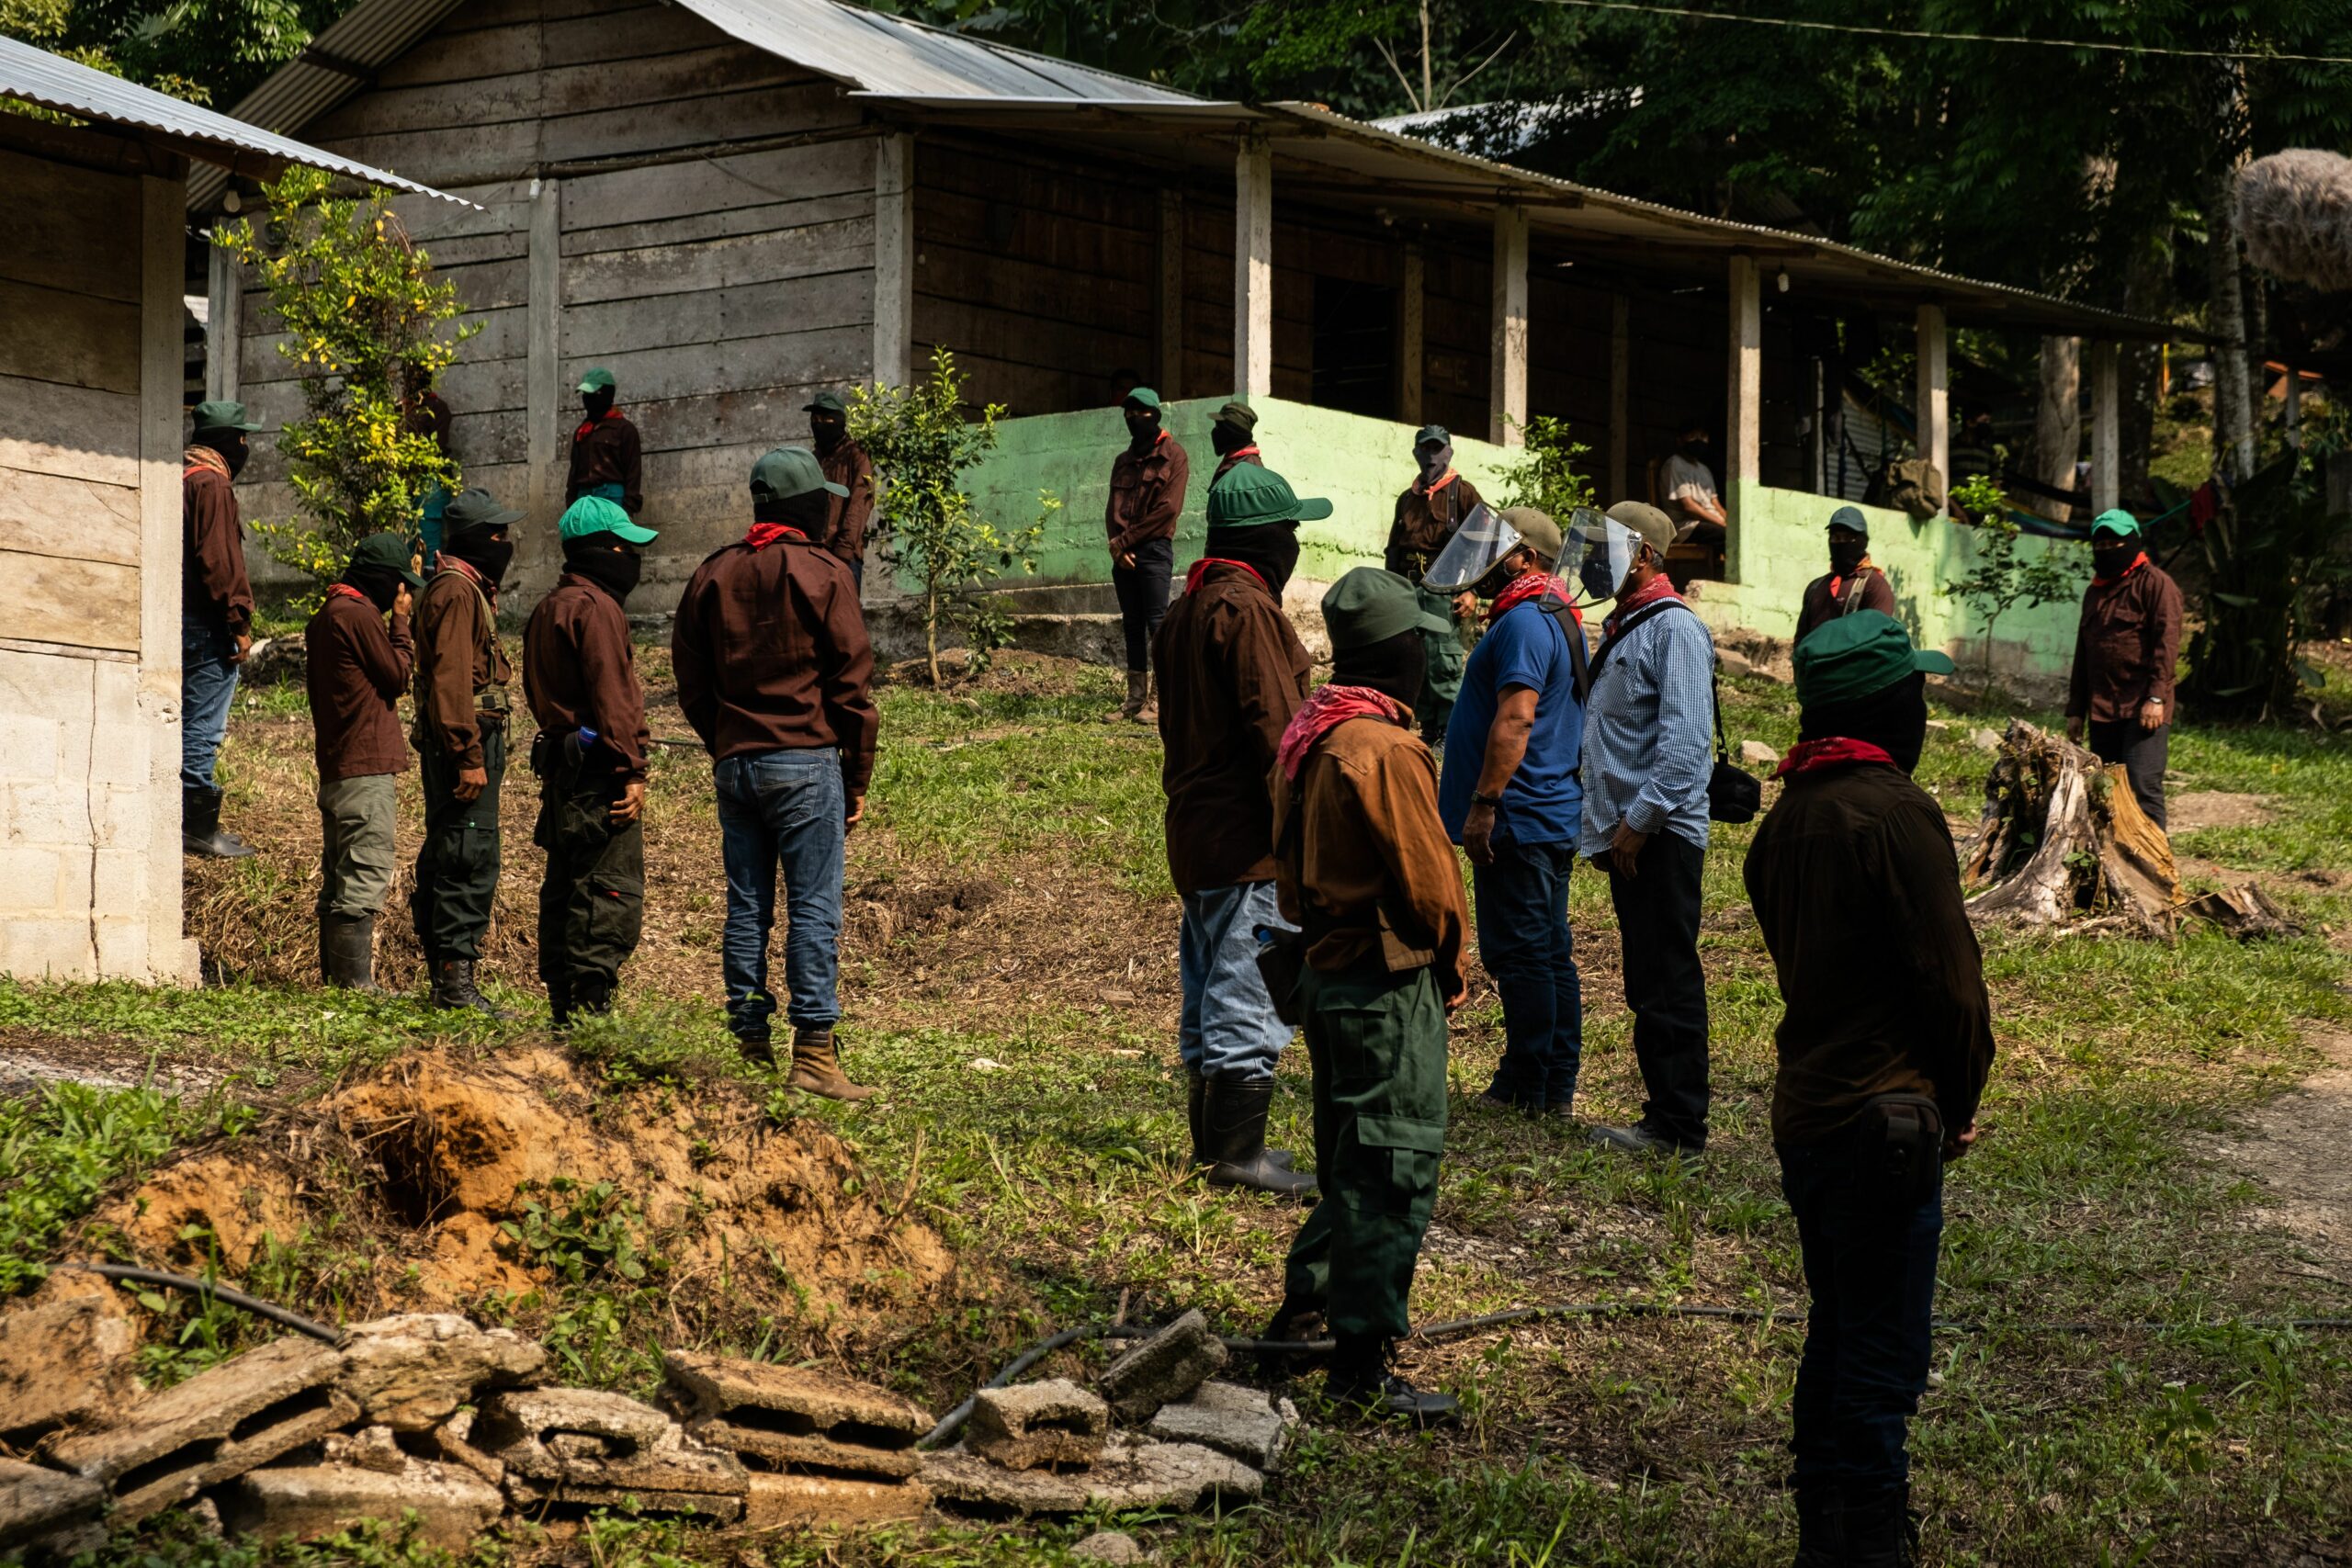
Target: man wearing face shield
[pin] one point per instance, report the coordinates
(2125, 652)
(1147, 480)
(1231, 672)
(216, 617)
(1852, 582)
(606, 452)
(845, 464)
(462, 673)
(1428, 512)
(1234, 435)
(1648, 720)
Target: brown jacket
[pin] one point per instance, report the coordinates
(607, 454)
(2127, 647)
(579, 671)
(771, 654)
(1866, 589)
(1379, 878)
(1852, 877)
(846, 521)
(461, 666)
(357, 671)
(213, 544)
(1147, 494)
(1425, 520)
(1231, 673)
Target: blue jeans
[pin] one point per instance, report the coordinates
(1525, 942)
(1869, 1265)
(783, 807)
(208, 686)
(1229, 1024)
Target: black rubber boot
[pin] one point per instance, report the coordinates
(453, 986)
(200, 831)
(1360, 1381)
(1878, 1530)
(1821, 1539)
(347, 952)
(1233, 1119)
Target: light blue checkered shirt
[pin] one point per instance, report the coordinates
(1647, 733)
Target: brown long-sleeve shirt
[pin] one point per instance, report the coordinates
(462, 670)
(1425, 520)
(212, 545)
(579, 671)
(1374, 860)
(1231, 673)
(607, 453)
(847, 519)
(2127, 647)
(1865, 589)
(1855, 884)
(356, 670)
(1147, 494)
(771, 654)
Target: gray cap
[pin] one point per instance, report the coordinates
(1535, 530)
(1656, 529)
(1850, 517)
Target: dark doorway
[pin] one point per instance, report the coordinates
(1355, 347)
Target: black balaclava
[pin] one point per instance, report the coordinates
(1271, 550)
(599, 402)
(2110, 561)
(1395, 667)
(1846, 553)
(615, 572)
(1434, 460)
(381, 586)
(807, 513)
(231, 443)
(1143, 428)
(1694, 446)
(488, 550)
(1894, 720)
(827, 430)
(1226, 439)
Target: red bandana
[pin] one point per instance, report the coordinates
(1201, 567)
(1832, 752)
(1240, 452)
(1657, 588)
(1835, 579)
(345, 588)
(588, 424)
(2137, 562)
(1531, 585)
(1327, 709)
(762, 534)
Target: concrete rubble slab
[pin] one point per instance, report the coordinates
(453, 1439)
(65, 1358)
(1132, 1473)
(453, 1506)
(776, 1500)
(371, 1447)
(581, 1445)
(216, 1425)
(1244, 1423)
(48, 1510)
(1035, 1424)
(413, 1371)
(1110, 1546)
(1167, 1366)
(793, 1415)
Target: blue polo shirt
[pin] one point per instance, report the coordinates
(1543, 803)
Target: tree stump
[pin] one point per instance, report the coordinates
(2063, 842)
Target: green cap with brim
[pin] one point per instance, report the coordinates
(1851, 519)
(386, 552)
(221, 413)
(1856, 655)
(597, 381)
(1535, 530)
(1369, 605)
(474, 507)
(2115, 520)
(594, 514)
(825, 402)
(1251, 497)
(1432, 435)
(789, 471)
(1143, 397)
(1239, 416)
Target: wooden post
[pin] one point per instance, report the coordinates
(2106, 427)
(1932, 406)
(894, 259)
(1744, 406)
(544, 394)
(1620, 377)
(1171, 294)
(1412, 317)
(1507, 353)
(224, 314)
(162, 369)
(2294, 408)
(1253, 268)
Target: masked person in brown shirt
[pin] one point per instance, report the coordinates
(216, 617)
(579, 677)
(1884, 1041)
(1852, 582)
(460, 738)
(1365, 869)
(1429, 511)
(774, 673)
(357, 670)
(849, 513)
(1233, 438)
(606, 452)
(1147, 480)
(1231, 673)
(2125, 653)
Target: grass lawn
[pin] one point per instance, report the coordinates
(2109, 1403)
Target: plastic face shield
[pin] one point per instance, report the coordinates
(1478, 546)
(1599, 552)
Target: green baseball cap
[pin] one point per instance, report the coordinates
(1432, 435)
(221, 413)
(1858, 654)
(594, 514)
(1851, 519)
(387, 552)
(2115, 520)
(598, 380)
(789, 471)
(1142, 396)
(1239, 416)
(1250, 497)
(471, 508)
(825, 402)
(1370, 606)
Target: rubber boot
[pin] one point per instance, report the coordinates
(1821, 1540)
(1360, 1379)
(1233, 1119)
(1878, 1530)
(200, 831)
(817, 1067)
(347, 952)
(453, 988)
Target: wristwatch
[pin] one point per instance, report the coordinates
(1479, 798)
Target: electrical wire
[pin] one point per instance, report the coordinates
(219, 1293)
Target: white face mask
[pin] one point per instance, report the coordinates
(1600, 553)
(1478, 546)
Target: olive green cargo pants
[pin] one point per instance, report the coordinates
(457, 871)
(1442, 681)
(592, 901)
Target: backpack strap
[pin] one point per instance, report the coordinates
(1579, 660)
(1714, 672)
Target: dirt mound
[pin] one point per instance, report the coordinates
(880, 911)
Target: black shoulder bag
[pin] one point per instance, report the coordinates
(1734, 795)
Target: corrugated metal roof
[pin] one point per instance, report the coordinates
(35, 76)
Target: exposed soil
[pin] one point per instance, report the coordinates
(30, 1058)
(2197, 808)
(2293, 1147)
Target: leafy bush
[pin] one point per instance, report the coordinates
(59, 1150)
(1548, 480)
(2003, 577)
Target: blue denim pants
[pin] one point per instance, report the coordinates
(208, 686)
(1525, 942)
(1869, 1265)
(1229, 1024)
(783, 809)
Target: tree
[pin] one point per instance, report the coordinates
(2002, 578)
(1547, 478)
(212, 52)
(364, 319)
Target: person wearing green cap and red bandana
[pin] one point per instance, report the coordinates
(846, 466)
(1233, 438)
(1147, 480)
(2126, 650)
(1852, 582)
(216, 617)
(358, 668)
(606, 452)
(580, 676)
(774, 673)
(1428, 512)
(1886, 1041)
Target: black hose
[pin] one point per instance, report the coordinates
(222, 1293)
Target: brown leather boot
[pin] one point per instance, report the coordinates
(1139, 694)
(1147, 711)
(817, 1067)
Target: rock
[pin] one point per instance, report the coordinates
(790, 1416)
(410, 1373)
(1034, 1424)
(371, 1447)
(453, 1506)
(775, 1501)
(1756, 751)
(1110, 1546)
(1169, 1365)
(48, 1508)
(65, 1358)
(583, 1445)
(1240, 1422)
(1731, 661)
(1984, 739)
(216, 1425)
(1131, 1473)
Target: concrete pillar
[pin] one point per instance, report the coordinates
(1744, 406)
(2106, 427)
(1932, 406)
(1507, 352)
(894, 259)
(1621, 369)
(1171, 295)
(1412, 332)
(1253, 268)
(224, 312)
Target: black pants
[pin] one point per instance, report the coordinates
(1658, 919)
(592, 901)
(1143, 597)
(2144, 753)
(457, 871)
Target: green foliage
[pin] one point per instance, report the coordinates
(363, 321)
(60, 1148)
(1548, 478)
(207, 53)
(2004, 576)
(2275, 565)
(922, 444)
(584, 1231)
